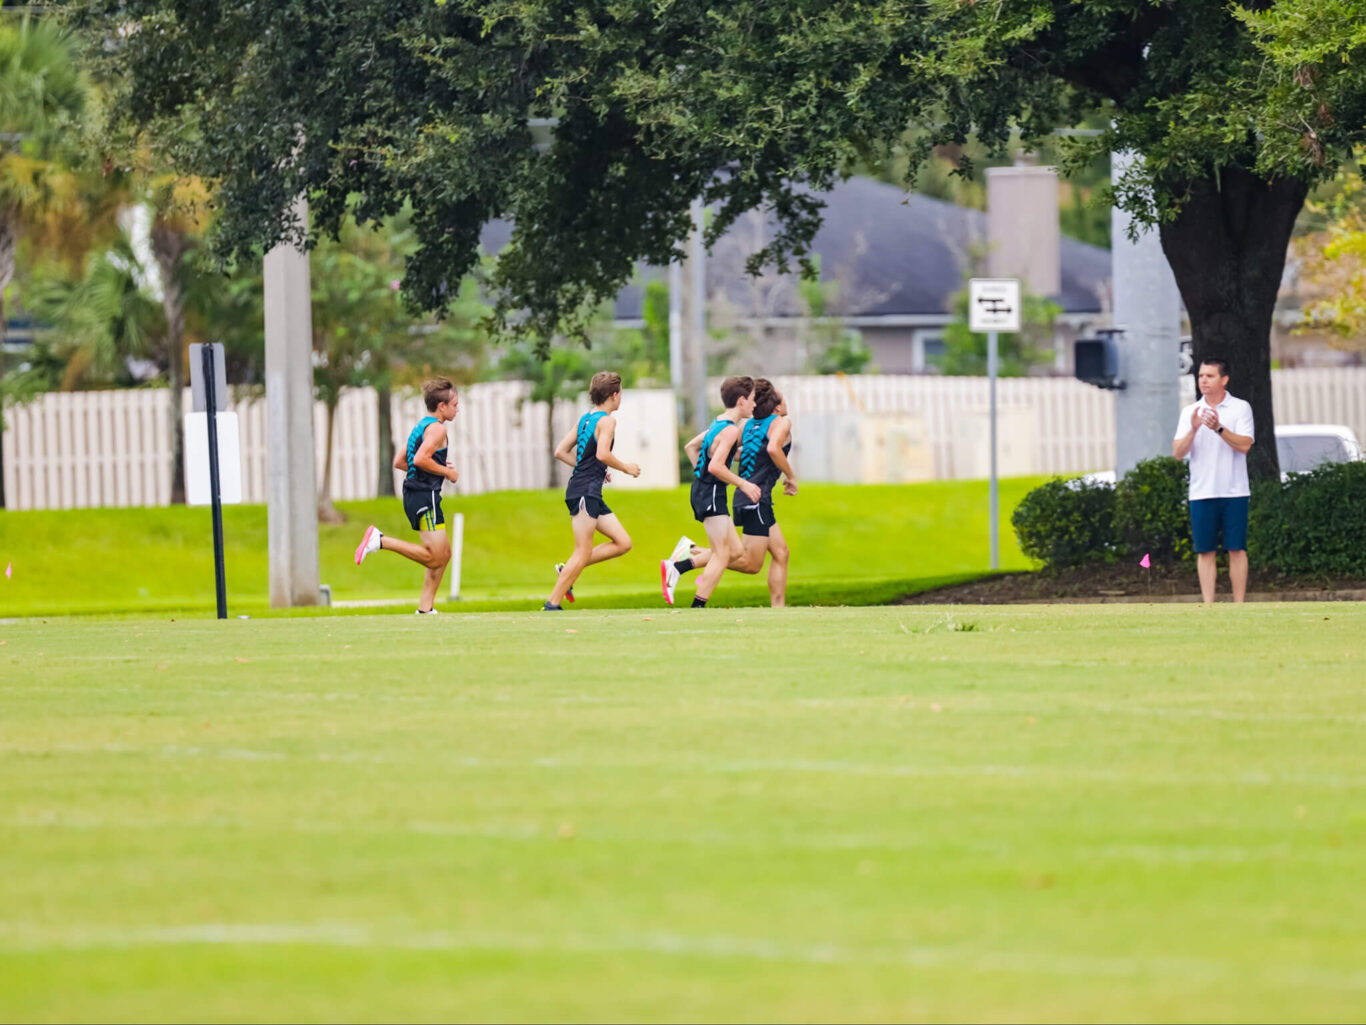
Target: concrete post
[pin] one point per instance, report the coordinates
(291, 477)
(697, 310)
(1148, 311)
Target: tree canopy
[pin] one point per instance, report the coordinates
(365, 105)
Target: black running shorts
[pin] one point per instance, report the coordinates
(594, 507)
(708, 500)
(756, 520)
(423, 509)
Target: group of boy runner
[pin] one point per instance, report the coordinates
(754, 427)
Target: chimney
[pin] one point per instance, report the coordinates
(1022, 227)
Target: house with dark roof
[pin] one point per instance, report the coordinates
(890, 263)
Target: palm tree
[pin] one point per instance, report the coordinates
(42, 93)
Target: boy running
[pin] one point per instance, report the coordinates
(588, 449)
(765, 442)
(425, 462)
(711, 453)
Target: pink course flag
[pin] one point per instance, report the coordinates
(1145, 562)
(9, 570)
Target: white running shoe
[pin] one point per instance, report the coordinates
(668, 578)
(370, 543)
(559, 568)
(428, 612)
(682, 549)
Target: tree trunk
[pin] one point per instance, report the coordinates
(385, 396)
(327, 512)
(551, 481)
(1227, 248)
(169, 247)
(7, 243)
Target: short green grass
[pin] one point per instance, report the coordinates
(850, 544)
(1118, 813)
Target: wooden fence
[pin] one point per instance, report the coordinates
(80, 449)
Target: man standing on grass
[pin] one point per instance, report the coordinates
(424, 459)
(588, 449)
(1215, 433)
(711, 453)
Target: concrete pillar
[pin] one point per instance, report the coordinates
(1148, 311)
(291, 477)
(1023, 231)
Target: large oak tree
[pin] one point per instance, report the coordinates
(367, 104)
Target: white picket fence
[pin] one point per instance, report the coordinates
(82, 449)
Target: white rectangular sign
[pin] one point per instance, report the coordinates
(994, 305)
(197, 459)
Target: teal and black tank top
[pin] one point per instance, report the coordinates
(589, 471)
(421, 480)
(756, 464)
(700, 471)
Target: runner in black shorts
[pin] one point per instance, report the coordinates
(765, 442)
(588, 449)
(424, 459)
(711, 453)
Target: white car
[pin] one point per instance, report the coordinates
(1299, 447)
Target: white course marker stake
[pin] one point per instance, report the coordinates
(457, 547)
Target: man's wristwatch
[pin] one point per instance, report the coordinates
(1220, 430)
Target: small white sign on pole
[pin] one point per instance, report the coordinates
(994, 305)
(197, 459)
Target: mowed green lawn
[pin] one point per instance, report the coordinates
(1118, 813)
(851, 545)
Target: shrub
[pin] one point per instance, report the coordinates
(1313, 524)
(1067, 523)
(1152, 515)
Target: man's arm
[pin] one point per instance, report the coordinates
(718, 468)
(1182, 445)
(564, 451)
(1237, 442)
(432, 439)
(777, 435)
(401, 461)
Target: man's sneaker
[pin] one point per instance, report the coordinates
(559, 568)
(427, 612)
(369, 543)
(547, 607)
(668, 578)
(683, 549)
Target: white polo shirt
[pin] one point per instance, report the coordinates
(1218, 470)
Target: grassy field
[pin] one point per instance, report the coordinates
(851, 545)
(1063, 813)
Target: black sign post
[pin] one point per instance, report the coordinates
(216, 498)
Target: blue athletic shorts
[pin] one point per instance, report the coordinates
(1212, 516)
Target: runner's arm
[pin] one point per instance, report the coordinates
(606, 431)
(564, 451)
(432, 439)
(717, 467)
(779, 433)
(694, 448)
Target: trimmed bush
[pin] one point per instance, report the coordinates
(1067, 523)
(1152, 515)
(1314, 524)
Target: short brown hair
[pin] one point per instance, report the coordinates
(766, 398)
(733, 389)
(437, 391)
(604, 385)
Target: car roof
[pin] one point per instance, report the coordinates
(1316, 430)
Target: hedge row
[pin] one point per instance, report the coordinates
(1312, 524)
